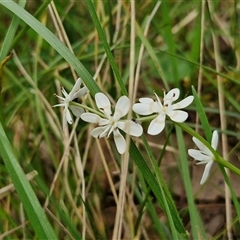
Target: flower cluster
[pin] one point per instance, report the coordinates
(157, 111)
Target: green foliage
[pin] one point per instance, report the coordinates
(54, 43)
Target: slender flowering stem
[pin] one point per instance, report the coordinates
(144, 119)
(217, 157)
(141, 119)
(87, 108)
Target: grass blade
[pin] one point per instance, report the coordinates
(106, 45)
(28, 198)
(202, 116)
(196, 223)
(149, 177)
(55, 43)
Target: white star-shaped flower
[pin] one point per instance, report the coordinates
(148, 106)
(76, 92)
(111, 123)
(204, 155)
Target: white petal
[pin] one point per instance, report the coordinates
(146, 100)
(68, 116)
(61, 105)
(77, 111)
(184, 103)
(144, 108)
(79, 93)
(75, 88)
(178, 115)
(206, 172)
(214, 141)
(103, 121)
(157, 125)
(122, 108)
(199, 156)
(62, 99)
(103, 103)
(97, 132)
(119, 141)
(107, 131)
(202, 147)
(65, 94)
(90, 117)
(171, 96)
(130, 127)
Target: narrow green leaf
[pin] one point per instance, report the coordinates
(168, 36)
(26, 194)
(153, 184)
(106, 45)
(196, 223)
(228, 94)
(202, 116)
(234, 197)
(55, 43)
(152, 54)
(203, 66)
(26, 27)
(169, 205)
(6, 45)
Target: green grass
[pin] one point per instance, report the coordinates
(84, 189)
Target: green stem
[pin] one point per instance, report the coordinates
(142, 119)
(87, 108)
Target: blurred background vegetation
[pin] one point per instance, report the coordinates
(174, 45)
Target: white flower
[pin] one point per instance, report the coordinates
(76, 92)
(147, 106)
(204, 155)
(111, 123)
